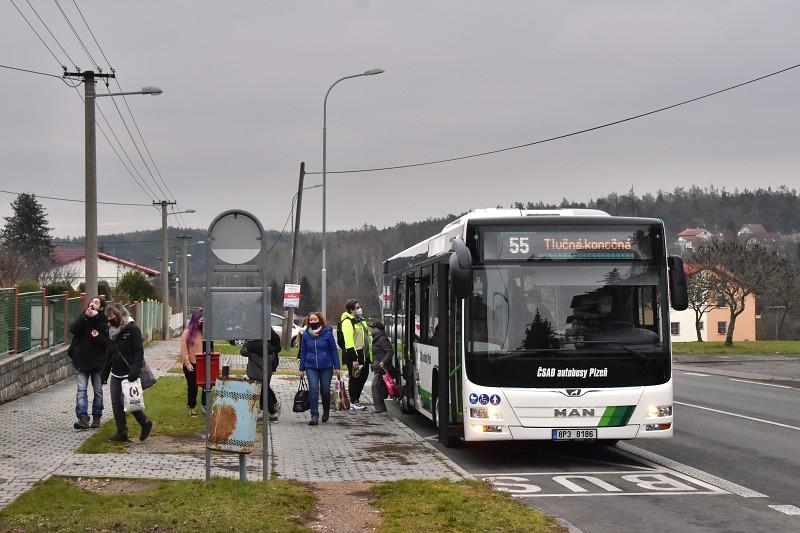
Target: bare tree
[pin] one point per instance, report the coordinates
(784, 292)
(737, 271)
(702, 297)
(69, 272)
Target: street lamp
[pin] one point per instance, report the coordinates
(370, 72)
(90, 244)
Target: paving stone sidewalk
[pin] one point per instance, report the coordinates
(37, 441)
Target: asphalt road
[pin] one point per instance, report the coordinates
(735, 453)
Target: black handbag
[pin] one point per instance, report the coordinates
(301, 400)
(145, 374)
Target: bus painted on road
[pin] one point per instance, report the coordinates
(537, 325)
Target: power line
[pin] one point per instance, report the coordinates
(40, 73)
(92, 34)
(37, 35)
(50, 32)
(558, 137)
(78, 37)
(283, 230)
(56, 241)
(75, 200)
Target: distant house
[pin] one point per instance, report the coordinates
(691, 238)
(714, 323)
(71, 267)
(755, 233)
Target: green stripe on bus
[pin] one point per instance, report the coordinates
(616, 415)
(426, 398)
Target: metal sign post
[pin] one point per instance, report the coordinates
(237, 302)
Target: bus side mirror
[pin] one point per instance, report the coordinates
(678, 287)
(461, 269)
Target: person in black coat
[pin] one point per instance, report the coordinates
(124, 362)
(87, 350)
(254, 352)
(382, 353)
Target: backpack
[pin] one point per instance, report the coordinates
(339, 334)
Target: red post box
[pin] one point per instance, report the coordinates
(200, 368)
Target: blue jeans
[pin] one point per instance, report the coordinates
(319, 379)
(81, 400)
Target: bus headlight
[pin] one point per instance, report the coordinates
(659, 411)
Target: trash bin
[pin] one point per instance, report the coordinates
(200, 368)
(234, 408)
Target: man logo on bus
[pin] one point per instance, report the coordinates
(495, 399)
(473, 398)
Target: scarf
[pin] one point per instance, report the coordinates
(113, 331)
(315, 335)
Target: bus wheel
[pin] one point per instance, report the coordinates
(609, 442)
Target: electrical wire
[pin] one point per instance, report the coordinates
(51, 33)
(93, 37)
(40, 73)
(283, 230)
(57, 241)
(37, 35)
(78, 37)
(74, 199)
(559, 137)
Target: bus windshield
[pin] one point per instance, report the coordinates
(523, 318)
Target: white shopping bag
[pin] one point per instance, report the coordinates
(132, 395)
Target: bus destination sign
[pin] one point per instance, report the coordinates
(566, 245)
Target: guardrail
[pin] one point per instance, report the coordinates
(32, 321)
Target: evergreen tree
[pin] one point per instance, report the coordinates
(308, 299)
(26, 238)
(134, 286)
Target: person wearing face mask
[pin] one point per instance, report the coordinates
(254, 351)
(88, 354)
(191, 345)
(357, 350)
(124, 362)
(383, 353)
(319, 358)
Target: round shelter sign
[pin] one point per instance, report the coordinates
(235, 238)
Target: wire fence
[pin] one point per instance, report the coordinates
(34, 321)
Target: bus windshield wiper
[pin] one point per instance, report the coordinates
(625, 347)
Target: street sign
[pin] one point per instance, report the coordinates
(235, 238)
(291, 295)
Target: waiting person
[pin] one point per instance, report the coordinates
(124, 362)
(254, 352)
(382, 353)
(191, 345)
(357, 351)
(88, 353)
(319, 358)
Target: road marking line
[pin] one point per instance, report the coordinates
(786, 509)
(435, 436)
(655, 470)
(656, 460)
(739, 416)
(760, 383)
(695, 493)
(695, 374)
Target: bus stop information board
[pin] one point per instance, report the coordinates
(291, 295)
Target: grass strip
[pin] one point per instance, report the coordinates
(739, 347)
(219, 505)
(165, 402)
(446, 506)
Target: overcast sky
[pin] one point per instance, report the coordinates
(244, 84)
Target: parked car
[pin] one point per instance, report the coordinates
(277, 325)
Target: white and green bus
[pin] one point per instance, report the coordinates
(537, 325)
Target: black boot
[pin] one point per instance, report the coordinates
(95, 422)
(82, 423)
(326, 414)
(119, 437)
(146, 429)
(314, 421)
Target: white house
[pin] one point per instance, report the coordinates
(681, 326)
(71, 267)
(691, 238)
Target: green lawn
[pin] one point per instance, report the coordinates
(219, 505)
(743, 347)
(165, 402)
(464, 507)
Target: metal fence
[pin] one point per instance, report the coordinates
(34, 321)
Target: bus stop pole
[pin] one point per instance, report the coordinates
(206, 404)
(266, 336)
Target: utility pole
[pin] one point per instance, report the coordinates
(164, 269)
(185, 277)
(293, 270)
(178, 278)
(90, 184)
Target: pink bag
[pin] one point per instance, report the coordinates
(391, 386)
